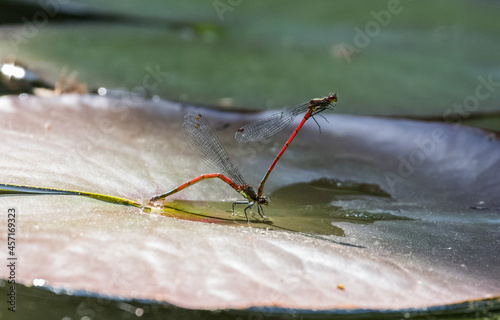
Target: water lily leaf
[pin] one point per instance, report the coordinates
(371, 213)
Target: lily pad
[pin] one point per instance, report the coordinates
(417, 204)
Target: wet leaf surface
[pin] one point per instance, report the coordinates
(401, 214)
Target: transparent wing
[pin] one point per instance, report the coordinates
(205, 143)
(269, 126)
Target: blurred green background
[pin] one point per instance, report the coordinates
(403, 58)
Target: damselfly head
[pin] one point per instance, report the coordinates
(263, 200)
(329, 102)
(332, 97)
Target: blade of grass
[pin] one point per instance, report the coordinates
(12, 190)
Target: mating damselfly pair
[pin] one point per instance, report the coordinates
(205, 143)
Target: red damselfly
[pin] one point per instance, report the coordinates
(205, 143)
(267, 127)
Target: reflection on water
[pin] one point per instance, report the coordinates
(453, 241)
(301, 207)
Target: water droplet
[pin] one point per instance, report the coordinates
(139, 312)
(10, 70)
(102, 91)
